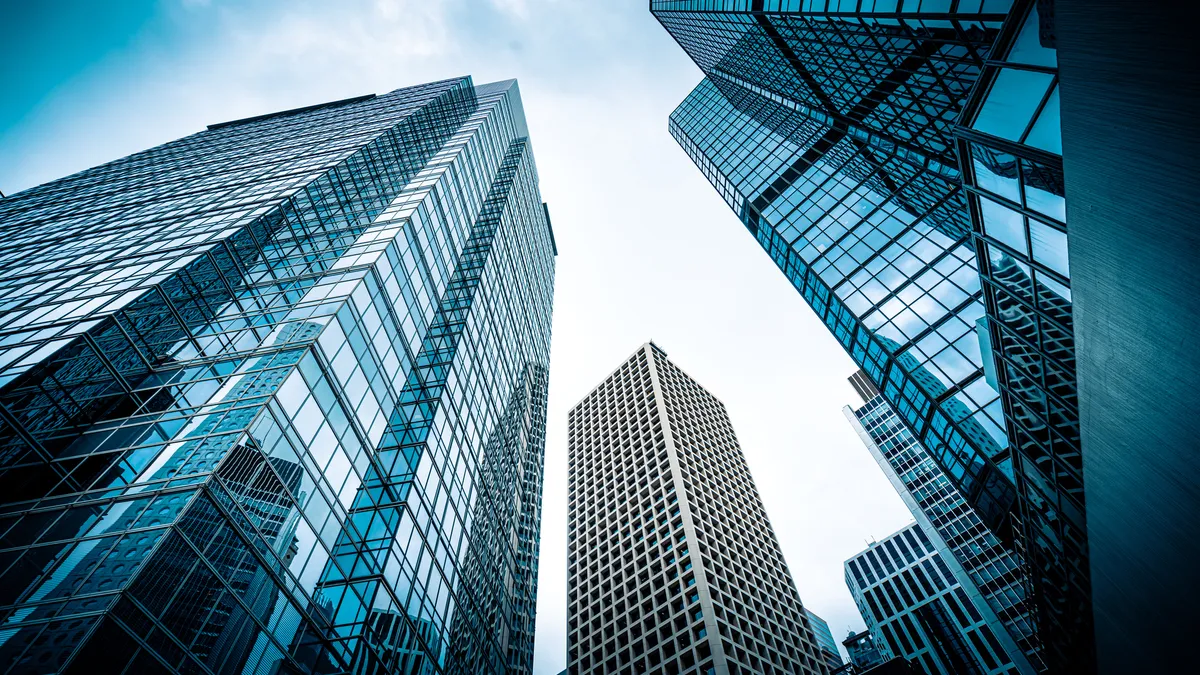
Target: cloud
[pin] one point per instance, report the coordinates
(517, 8)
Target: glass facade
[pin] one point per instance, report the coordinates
(272, 396)
(992, 573)
(1011, 148)
(900, 162)
(825, 641)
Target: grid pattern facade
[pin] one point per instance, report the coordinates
(273, 396)
(901, 164)
(870, 226)
(992, 571)
(911, 599)
(673, 566)
(1011, 148)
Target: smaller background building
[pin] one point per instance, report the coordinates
(862, 651)
(914, 603)
(825, 641)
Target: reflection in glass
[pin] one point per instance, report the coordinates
(1011, 103)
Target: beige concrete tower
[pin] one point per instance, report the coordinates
(673, 565)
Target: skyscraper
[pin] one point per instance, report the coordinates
(992, 573)
(909, 594)
(272, 396)
(672, 563)
(901, 164)
(825, 641)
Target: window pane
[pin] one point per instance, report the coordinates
(1049, 247)
(1011, 103)
(1004, 225)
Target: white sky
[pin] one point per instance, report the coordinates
(647, 248)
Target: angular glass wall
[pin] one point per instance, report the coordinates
(1012, 160)
(258, 385)
(900, 163)
(872, 228)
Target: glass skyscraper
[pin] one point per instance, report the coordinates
(992, 573)
(272, 396)
(900, 163)
(825, 641)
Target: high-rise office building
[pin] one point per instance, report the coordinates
(672, 564)
(901, 163)
(272, 396)
(908, 591)
(825, 641)
(991, 570)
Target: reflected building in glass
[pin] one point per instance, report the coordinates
(899, 162)
(272, 396)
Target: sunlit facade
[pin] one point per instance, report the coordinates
(899, 162)
(672, 564)
(272, 396)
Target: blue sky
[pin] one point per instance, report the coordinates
(647, 248)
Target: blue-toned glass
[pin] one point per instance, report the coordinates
(272, 396)
(900, 163)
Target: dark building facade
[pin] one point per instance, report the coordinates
(902, 165)
(1130, 98)
(914, 597)
(672, 563)
(272, 396)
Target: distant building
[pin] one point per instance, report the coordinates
(991, 570)
(910, 596)
(862, 650)
(672, 564)
(825, 641)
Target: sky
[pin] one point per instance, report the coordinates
(647, 250)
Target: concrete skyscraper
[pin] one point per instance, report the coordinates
(272, 396)
(672, 564)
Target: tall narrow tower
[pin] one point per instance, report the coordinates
(673, 565)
